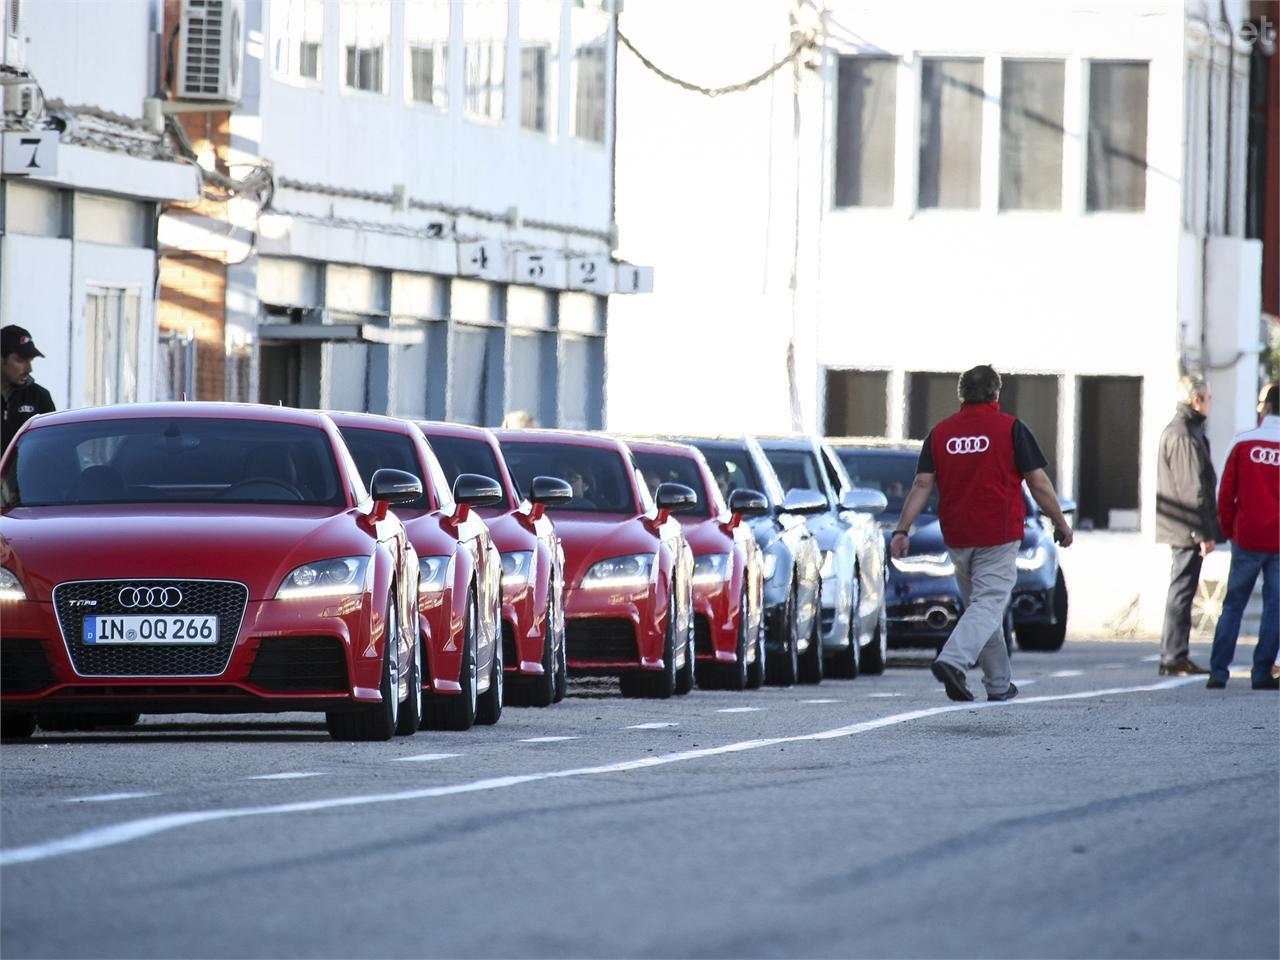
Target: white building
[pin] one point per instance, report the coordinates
(79, 203)
(945, 185)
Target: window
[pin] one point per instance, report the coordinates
(297, 35)
(590, 30)
(485, 61)
(581, 382)
(1117, 167)
(539, 64)
(475, 375)
(426, 29)
(865, 120)
(950, 133)
(930, 398)
(111, 318)
(857, 403)
(366, 27)
(1031, 135)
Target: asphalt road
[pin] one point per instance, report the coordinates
(1103, 813)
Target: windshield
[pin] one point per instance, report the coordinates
(659, 468)
(890, 471)
(734, 469)
(374, 450)
(796, 470)
(173, 460)
(464, 455)
(598, 477)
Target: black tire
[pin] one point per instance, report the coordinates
(411, 710)
(811, 661)
(541, 691)
(458, 711)
(377, 721)
(660, 686)
(687, 675)
(782, 669)
(733, 676)
(871, 658)
(489, 706)
(1047, 637)
(756, 670)
(844, 661)
(17, 725)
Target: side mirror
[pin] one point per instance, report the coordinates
(674, 497)
(748, 503)
(394, 486)
(475, 490)
(871, 502)
(550, 491)
(801, 501)
(1069, 507)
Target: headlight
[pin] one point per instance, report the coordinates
(631, 571)
(325, 578)
(828, 564)
(1033, 558)
(432, 574)
(930, 564)
(517, 568)
(11, 586)
(711, 568)
(770, 566)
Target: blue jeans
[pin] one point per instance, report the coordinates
(1245, 566)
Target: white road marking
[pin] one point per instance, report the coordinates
(129, 830)
(651, 726)
(740, 710)
(284, 776)
(822, 701)
(109, 797)
(1067, 673)
(426, 756)
(884, 695)
(1112, 666)
(1025, 682)
(1154, 658)
(547, 739)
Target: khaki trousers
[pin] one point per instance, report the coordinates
(986, 576)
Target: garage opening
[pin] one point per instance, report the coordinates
(857, 403)
(1033, 399)
(1108, 431)
(930, 398)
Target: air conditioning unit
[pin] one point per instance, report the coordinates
(211, 51)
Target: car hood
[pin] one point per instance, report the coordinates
(510, 533)
(706, 535)
(255, 545)
(589, 538)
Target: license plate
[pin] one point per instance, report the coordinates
(154, 629)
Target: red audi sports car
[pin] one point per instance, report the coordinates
(459, 591)
(203, 557)
(628, 571)
(728, 579)
(532, 562)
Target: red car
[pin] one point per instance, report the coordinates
(532, 562)
(206, 557)
(627, 568)
(728, 579)
(460, 589)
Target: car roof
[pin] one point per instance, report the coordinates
(371, 421)
(649, 445)
(874, 443)
(792, 441)
(184, 409)
(576, 437)
(461, 430)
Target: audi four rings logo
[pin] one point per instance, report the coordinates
(968, 444)
(1266, 455)
(132, 597)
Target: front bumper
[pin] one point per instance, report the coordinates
(923, 620)
(715, 625)
(611, 632)
(524, 631)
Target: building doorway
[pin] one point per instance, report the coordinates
(1108, 445)
(857, 403)
(930, 397)
(1033, 399)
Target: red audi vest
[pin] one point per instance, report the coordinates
(979, 488)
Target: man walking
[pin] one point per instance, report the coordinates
(1186, 518)
(1249, 512)
(978, 458)
(23, 397)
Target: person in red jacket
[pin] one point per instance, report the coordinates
(1249, 513)
(979, 458)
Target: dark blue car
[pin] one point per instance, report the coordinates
(924, 601)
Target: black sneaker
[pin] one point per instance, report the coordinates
(1214, 683)
(1272, 684)
(953, 679)
(1009, 694)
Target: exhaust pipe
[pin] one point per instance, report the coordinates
(939, 618)
(1026, 604)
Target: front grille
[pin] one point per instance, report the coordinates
(23, 666)
(224, 599)
(828, 619)
(292, 664)
(702, 645)
(602, 640)
(508, 645)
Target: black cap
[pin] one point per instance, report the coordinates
(14, 339)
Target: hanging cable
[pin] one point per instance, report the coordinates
(799, 45)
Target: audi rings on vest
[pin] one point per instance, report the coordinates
(968, 444)
(135, 597)
(1269, 456)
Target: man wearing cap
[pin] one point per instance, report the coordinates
(979, 457)
(23, 397)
